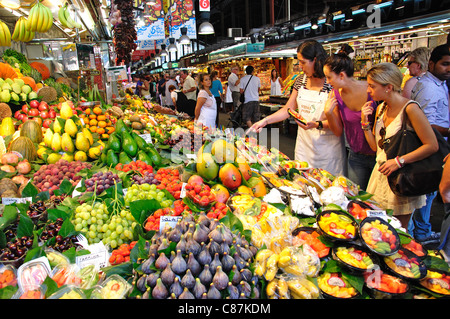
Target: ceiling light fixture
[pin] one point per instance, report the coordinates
(314, 23)
(163, 50)
(205, 28)
(172, 46)
(184, 39)
(348, 15)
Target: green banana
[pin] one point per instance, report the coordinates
(16, 30)
(62, 17)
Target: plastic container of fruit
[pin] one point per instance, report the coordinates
(413, 246)
(32, 274)
(337, 226)
(406, 265)
(66, 275)
(16, 263)
(199, 204)
(310, 236)
(334, 286)
(380, 285)
(35, 293)
(356, 259)
(379, 236)
(114, 287)
(68, 292)
(89, 276)
(8, 276)
(437, 281)
(55, 258)
(358, 209)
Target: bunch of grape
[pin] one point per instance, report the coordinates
(96, 223)
(147, 191)
(147, 178)
(101, 181)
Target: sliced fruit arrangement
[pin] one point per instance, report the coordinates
(335, 285)
(379, 236)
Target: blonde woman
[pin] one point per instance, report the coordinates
(206, 108)
(418, 66)
(384, 84)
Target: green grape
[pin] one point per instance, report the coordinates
(113, 235)
(119, 229)
(78, 227)
(93, 228)
(84, 223)
(78, 220)
(113, 243)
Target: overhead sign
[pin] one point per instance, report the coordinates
(204, 5)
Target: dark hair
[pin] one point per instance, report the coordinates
(271, 74)
(311, 50)
(340, 62)
(439, 52)
(249, 69)
(213, 74)
(172, 87)
(346, 49)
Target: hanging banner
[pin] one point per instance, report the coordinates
(182, 14)
(154, 24)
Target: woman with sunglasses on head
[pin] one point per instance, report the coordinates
(418, 66)
(343, 111)
(384, 84)
(316, 143)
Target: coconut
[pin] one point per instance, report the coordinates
(48, 94)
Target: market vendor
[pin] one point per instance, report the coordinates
(316, 143)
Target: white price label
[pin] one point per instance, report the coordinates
(99, 259)
(377, 213)
(168, 221)
(12, 200)
(147, 138)
(183, 190)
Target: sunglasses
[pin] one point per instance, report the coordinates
(382, 139)
(411, 62)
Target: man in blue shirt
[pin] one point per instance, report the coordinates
(431, 93)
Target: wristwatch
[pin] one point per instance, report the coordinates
(320, 125)
(401, 161)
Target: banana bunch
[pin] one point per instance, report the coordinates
(287, 287)
(40, 18)
(65, 18)
(21, 33)
(5, 35)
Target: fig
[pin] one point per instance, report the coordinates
(213, 292)
(233, 291)
(192, 246)
(236, 278)
(167, 276)
(204, 257)
(193, 265)
(246, 274)
(160, 291)
(181, 245)
(205, 276)
(200, 234)
(186, 294)
(245, 288)
(146, 265)
(176, 288)
(188, 280)
(215, 263)
(175, 234)
(214, 248)
(152, 278)
(216, 234)
(220, 279)
(141, 283)
(162, 261)
(179, 265)
(199, 289)
(227, 262)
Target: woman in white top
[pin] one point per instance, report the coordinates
(275, 83)
(228, 98)
(206, 108)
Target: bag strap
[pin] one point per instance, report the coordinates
(405, 115)
(247, 83)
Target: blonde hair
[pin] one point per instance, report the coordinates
(421, 56)
(386, 73)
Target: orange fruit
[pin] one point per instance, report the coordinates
(97, 110)
(101, 123)
(101, 117)
(105, 136)
(87, 111)
(100, 130)
(93, 129)
(110, 129)
(93, 117)
(93, 122)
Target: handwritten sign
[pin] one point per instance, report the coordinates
(12, 200)
(377, 213)
(168, 221)
(147, 138)
(99, 259)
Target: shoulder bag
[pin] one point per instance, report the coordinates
(242, 97)
(418, 178)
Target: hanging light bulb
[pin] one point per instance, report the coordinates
(348, 15)
(172, 46)
(206, 28)
(163, 50)
(11, 4)
(184, 39)
(314, 24)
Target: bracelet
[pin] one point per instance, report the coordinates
(366, 126)
(397, 160)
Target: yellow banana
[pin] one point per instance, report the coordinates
(42, 19)
(283, 289)
(22, 31)
(32, 18)
(69, 20)
(49, 19)
(7, 34)
(314, 291)
(271, 289)
(271, 266)
(2, 35)
(298, 291)
(16, 30)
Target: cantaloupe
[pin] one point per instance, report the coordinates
(24, 146)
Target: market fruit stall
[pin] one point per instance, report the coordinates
(102, 204)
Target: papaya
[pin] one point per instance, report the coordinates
(111, 158)
(143, 156)
(124, 158)
(128, 144)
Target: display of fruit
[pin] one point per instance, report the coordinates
(121, 254)
(379, 236)
(98, 122)
(437, 281)
(40, 18)
(16, 90)
(8, 277)
(335, 285)
(405, 264)
(101, 181)
(153, 221)
(311, 237)
(65, 18)
(291, 288)
(49, 177)
(380, 283)
(200, 194)
(413, 246)
(337, 225)
(114, 287)
(5, 35)
(40, 112)
(21, 33)
(98, 224)
(147, 191)
(354, 257)
(208, 261)
(16, 249)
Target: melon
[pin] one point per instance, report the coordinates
(24, 146)
(32, 130)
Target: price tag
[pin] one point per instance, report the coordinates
(99, 259)
(147, 138)
(183, 190)
(12, 200)
(377, 213)
(168, 221)
(191, 156)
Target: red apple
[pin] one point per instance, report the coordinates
(17, 114)
(34, 104)
(52, 114)
(33, 112)
(25, 108)
(44, 114)
(20, 117)
(43, 106)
